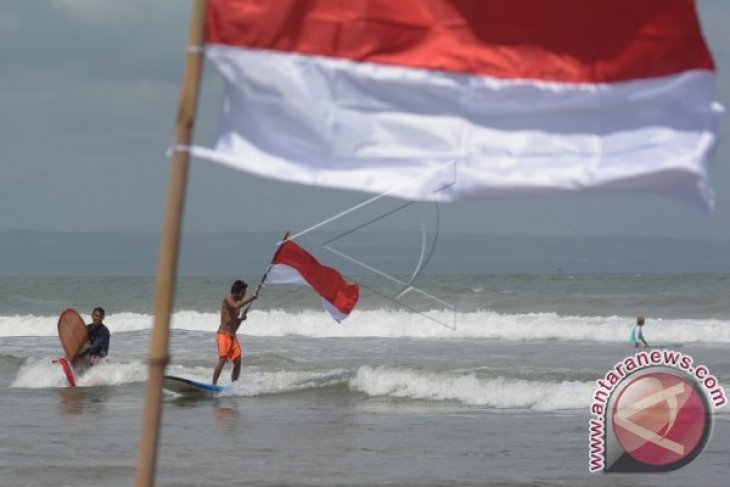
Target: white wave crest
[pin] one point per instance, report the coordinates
(42, 373)
(499, 393)
(396, 324)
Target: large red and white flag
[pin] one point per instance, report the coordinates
(294, 265)
(478, 98)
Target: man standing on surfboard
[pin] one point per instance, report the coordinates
(231, 318)
(99, 337)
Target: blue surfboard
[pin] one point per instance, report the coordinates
(189, 387)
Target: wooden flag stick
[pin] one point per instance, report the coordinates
(263, 278)
(169, 247)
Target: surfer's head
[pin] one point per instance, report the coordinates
(98, 314)
(238, 287)
(640, 320)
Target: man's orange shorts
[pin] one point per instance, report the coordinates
(228, 346)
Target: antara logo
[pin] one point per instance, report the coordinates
(655, 418)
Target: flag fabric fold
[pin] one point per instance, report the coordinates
(294, 265)
(524, 97)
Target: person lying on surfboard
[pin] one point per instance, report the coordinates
(231, 318)
(99, 337)
(637, 336)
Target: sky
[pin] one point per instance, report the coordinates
(88, 98)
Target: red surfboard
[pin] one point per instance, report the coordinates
(68, 371)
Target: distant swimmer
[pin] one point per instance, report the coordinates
(231, 318)
(99, 337)
(637, 336)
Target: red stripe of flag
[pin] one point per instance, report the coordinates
(326, 281)
(579, 41)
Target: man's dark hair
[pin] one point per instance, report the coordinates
(100, 310)
(238, 286)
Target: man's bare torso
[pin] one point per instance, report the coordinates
(229, 316)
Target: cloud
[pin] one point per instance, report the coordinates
(96, 10)
(106, 11)
(8, 23)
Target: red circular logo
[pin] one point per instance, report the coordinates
(660, 419)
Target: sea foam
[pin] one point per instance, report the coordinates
(499, 392)
(397, 324)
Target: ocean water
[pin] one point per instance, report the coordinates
(459, 380)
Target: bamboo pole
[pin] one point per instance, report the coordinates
(169, 247)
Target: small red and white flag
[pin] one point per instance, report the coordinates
(294, 265)
(471, 99)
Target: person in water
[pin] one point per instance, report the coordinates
(99, 337)
(231, 317)
(637, 336)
